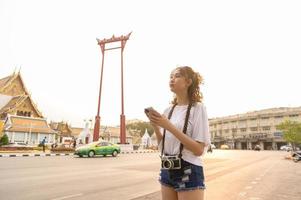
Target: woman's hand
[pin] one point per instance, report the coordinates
(157, 119)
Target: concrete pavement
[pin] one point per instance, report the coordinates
(230, 175)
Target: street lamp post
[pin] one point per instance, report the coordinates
(122, 39)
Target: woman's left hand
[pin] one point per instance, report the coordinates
(159, 120)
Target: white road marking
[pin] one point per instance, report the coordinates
(254, 182)
(254, 198)
(257, 179)
(249, 187)
(69, 196)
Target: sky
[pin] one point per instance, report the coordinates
(248, 52)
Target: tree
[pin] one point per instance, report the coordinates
(1, 127)
(292, 132)
(4, 140)
(141, 126)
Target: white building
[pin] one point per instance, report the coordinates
(146, 140)
(28, 130)
(244, 131)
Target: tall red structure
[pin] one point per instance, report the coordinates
(102, 43)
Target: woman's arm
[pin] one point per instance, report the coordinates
(158, 133)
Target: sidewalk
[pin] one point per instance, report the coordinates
(48, 153)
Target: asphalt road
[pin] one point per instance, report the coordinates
(230, 175)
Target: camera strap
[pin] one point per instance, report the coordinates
(184, 128)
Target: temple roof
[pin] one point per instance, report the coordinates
(28, 124)
(9, 102)
(4, 100)
(6, 80)
(13, 102)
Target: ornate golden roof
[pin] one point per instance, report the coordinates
(13, 103)
(4, 81)
(14, 86)
(63, 128)
(28, 124)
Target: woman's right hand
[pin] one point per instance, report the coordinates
(155, 126)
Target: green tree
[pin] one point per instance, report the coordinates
(4, 140)
(141, 126)
(292, 132)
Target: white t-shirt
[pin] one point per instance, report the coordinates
(197, 129)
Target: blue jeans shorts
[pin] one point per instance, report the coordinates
(189, 177)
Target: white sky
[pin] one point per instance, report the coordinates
(249, 53)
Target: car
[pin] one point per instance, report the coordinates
(224, 146)
(98, 148)
(286, 148)
(257, 147)
(213, 146)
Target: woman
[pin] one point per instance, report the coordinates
(182, 133)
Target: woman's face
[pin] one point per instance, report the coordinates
(178, 82)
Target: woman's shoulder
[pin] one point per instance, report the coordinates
(199, 106)
(166, 110)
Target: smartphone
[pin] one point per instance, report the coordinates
(146, 110)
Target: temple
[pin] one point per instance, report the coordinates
(23, 122)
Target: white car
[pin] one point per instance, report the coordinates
(286, 148)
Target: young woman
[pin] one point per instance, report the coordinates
(183, 134)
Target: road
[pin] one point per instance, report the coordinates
(230, 175)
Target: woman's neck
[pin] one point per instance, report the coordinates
(182, 99)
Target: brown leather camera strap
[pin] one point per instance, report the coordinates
(184, 128)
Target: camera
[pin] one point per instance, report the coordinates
(170, 162)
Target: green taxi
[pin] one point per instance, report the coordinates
(98, 148)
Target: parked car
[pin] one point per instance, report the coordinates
(296, 155)
(257, 147)
(286, 148)
(98, 148)
(224, 146)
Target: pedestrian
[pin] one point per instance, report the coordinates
(209, 148)
(74, 144)
(43, 143)
(183, 136)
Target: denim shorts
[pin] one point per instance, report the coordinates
(189, 177)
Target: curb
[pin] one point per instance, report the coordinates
(128, 152)
(35, 155)
(64, 154)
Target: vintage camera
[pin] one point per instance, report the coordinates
(170, 162)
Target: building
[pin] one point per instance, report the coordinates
(109, 133)
(112, 134)
(244, 131)
(28, 130)
(64, 131)
(146, 140)
(23, 122)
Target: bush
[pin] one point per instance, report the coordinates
(16, 148)
(4, 140)
(62, 149)
(38, 148)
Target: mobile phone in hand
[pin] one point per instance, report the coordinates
(151, 109)
(147, 110)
